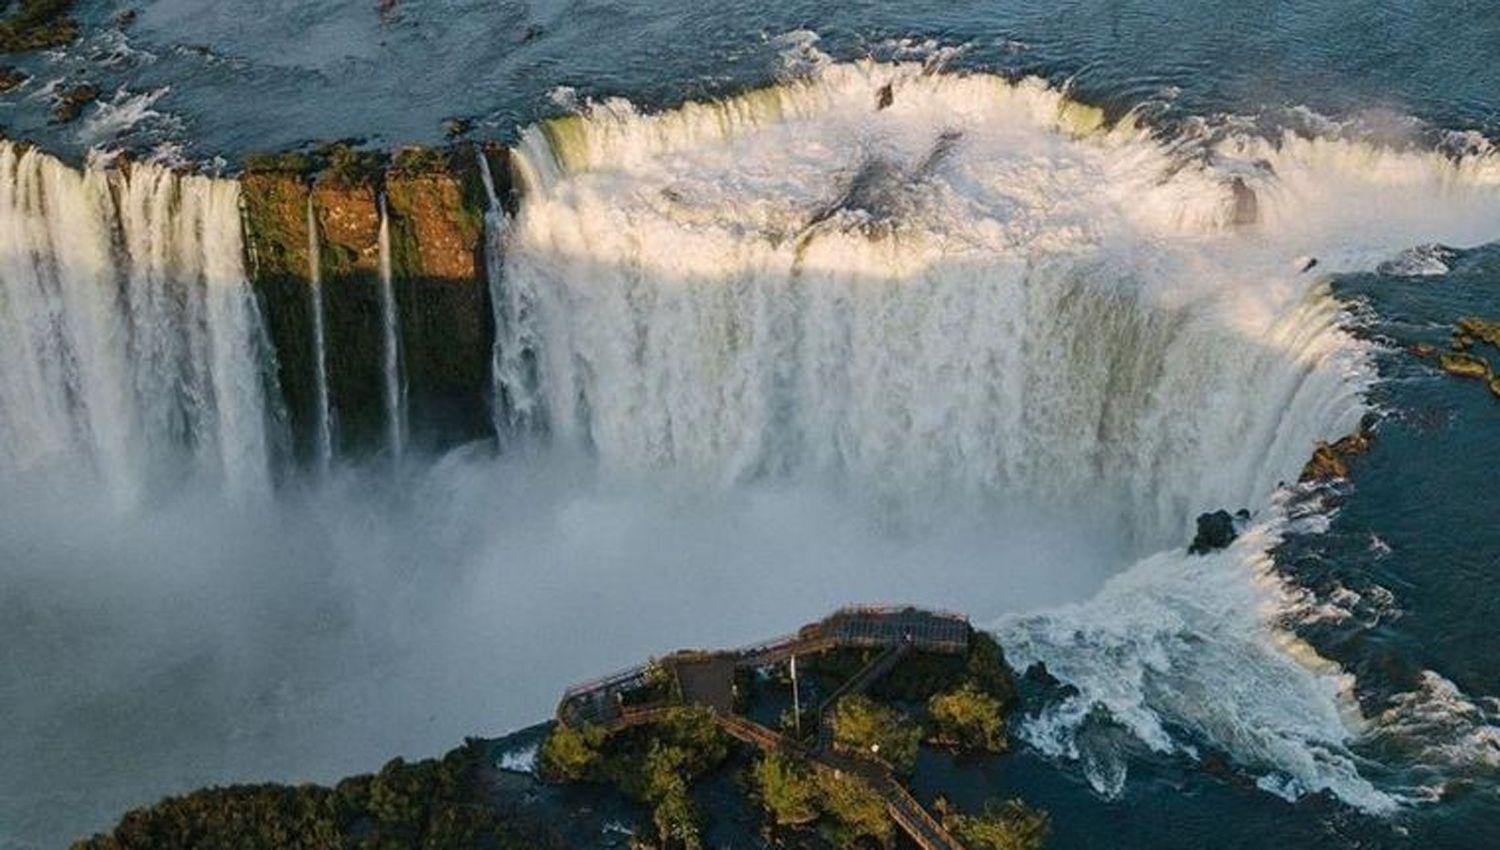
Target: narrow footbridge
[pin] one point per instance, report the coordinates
(645, 694)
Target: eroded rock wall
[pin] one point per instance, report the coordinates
(436, 203)
(276, 243)
(447, 329)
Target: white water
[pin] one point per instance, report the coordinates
(129, 337)
(323, 418)
(984, 292)
(395, 395)
(1011, 396)
(516, 410)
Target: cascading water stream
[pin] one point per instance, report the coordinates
(135, 360)
(516, 405)
(937, 287)
(323, 415)
(395, 395)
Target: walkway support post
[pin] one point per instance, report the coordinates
(796, 699)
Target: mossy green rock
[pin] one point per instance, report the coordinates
(1465, 365)
(348, 220)
(1477, 328)
(276, 248)
(436, 202)
(37, 24)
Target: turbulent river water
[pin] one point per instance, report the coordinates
(948, 306)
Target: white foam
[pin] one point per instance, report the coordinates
(983, 288)
(123, 365)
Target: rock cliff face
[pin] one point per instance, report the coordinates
(435, 202)
(347, 212)
(275, 212)
(438, 265)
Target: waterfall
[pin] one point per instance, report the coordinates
(324, 414)
(395, 397)
(516, 400)
(958, 290)
(130, 348)
(979, 289)
(936, 297)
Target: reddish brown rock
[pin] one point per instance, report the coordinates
(437, 206)
(276, 250)
(1330, 462)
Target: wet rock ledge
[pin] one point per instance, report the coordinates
(435, 200)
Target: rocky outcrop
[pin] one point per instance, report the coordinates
(11, 78)
(1216, 531)
(1473, 328)
(69, 102)
(435, 202)
(1330, 462)
(1465, 365)
(437, 205)
(37, 24)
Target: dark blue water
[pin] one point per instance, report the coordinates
(267, 74)
(1409, 564)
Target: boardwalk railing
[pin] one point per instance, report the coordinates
(896, 629)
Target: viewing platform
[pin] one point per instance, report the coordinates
(705, 679)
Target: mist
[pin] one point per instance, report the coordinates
(301, 638)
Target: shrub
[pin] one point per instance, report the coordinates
(433, 804)
(855, 811)
(346, 165)
(860, 723)
(654, 765)
(968, 719)
(573, 754)
(293, 162)
(676, 818)
(788, 788)
(1008, 825)
(987, 669)
(420, 160)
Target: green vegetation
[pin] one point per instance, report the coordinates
(344, 164)
(573, 754)
(37, 24)
(968, 719)
(861, 724)
(421, 160)
(1008, 825)
(788, 788)
(922, 675)
(797, 794)
(287, 162)
(654, 765)
(854, 810)
(433, 805)
(659, 685)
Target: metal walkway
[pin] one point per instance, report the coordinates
(705, 679)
